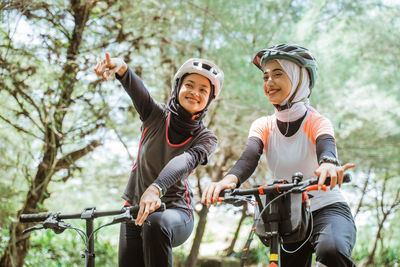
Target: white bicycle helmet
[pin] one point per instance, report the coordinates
(203, 67)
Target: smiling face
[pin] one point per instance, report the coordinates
(194, 93)
(277, 84)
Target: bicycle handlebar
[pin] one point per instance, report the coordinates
(308, 185)
(346, 179)
(34, 217)
(53, 220)
(85, 214)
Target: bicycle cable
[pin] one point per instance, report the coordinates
(81, 233)
(258, 218)
(92, 234)
(266, 206)
(108, 224)
(255, 224)
(305, 241)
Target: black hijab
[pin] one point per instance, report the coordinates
(182, 123)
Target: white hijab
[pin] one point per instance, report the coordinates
(300, 102)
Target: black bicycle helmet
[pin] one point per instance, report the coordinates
(293, 52)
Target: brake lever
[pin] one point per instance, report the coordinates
(123, 217)
(57, 227)
(145, 221)
(127, 217)
(33, 228)
(225, 194)
(236, 201)
(53, 223)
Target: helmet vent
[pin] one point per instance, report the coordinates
(206, 66)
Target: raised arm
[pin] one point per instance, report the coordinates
(132, 84)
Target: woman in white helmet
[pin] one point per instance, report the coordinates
(296, 138)
(174, 142)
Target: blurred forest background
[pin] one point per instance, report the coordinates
(68, 140)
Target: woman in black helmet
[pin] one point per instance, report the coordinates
(296, 138)
(174, 142)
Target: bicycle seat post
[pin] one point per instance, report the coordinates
(88, 215)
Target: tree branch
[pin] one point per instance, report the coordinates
(66, 161)
(19, 128)
(363, 193)
(19, 92)
(123, 143)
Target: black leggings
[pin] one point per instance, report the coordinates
(332, 240)
(151, 245)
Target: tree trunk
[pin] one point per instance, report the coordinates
(229, 250)
(201, 226)
(18, 244)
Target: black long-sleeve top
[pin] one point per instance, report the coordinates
(161, 159)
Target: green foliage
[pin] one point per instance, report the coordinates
(355, 43)
(364, 237)
(54, 250)
(386, 255)
(4, 238)
(179, 257)
(49, 249)
(256, 254)
(391, 256)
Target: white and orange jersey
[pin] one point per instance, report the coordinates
(297, 153)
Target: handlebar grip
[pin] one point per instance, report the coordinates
(33, 217)
(315, 188)
(135, 208)
(225, 191)
(346, 179)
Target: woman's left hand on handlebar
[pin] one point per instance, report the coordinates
(149, 202)
(212, 190)
(336, 173)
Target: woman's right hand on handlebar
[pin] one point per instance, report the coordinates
(109, 66)
(213, 189)
(149, 202)
(336, 173)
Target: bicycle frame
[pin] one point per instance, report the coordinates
(239, 196)
(53, 220)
